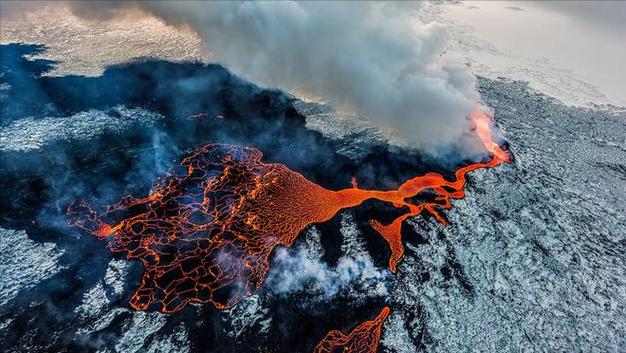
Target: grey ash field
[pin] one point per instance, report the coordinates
(533, 259)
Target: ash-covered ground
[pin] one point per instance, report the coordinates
(533, 258)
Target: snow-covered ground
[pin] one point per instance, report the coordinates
(29, 134)
(533, 258)
(24, 263)
(86, 47)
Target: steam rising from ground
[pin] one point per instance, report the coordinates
(373, 59)
(302, 268)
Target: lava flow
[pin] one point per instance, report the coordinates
(363, 339)
(206, 232)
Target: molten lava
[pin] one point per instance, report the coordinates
(363, 339)
(206, 232)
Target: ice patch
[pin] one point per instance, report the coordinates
(136, 331)
(110, 288)
(533, 257)
(86, 47)
(395, 335)
(176, 342)
(354, 135)
(247, 315)
(24, 263)
(30, 134)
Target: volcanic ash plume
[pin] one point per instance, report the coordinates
(372, 59)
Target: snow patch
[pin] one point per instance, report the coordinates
(24, 263)
(30, 134)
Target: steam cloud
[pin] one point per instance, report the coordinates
(373, 59)
(299, 270)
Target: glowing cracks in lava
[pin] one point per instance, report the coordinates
(206, 232)
(363, 339)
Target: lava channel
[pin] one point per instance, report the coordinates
(363, 339)
(207, 230)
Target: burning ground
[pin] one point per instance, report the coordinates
(530, 257)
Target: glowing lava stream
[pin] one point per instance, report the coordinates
(206, 232)
(363, 339)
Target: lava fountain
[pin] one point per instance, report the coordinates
(207, 231)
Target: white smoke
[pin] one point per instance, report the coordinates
(302, 269)
(298, 271)
(376, 60)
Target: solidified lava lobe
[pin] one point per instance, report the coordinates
(207, 230)
(363, 339)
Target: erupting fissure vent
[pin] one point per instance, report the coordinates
(206, 232)
(363, 339)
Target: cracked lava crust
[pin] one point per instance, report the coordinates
(207, 230)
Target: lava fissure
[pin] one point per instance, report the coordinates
(207, 230)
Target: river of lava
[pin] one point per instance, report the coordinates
(206, 232)
(363, 339)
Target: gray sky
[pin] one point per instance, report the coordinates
(573, 50)
(608, 15)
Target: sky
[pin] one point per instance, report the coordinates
(574, 50)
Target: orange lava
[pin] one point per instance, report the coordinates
(207, 230)
(363, 339)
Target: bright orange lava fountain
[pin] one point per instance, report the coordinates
(206, 232)
(363, 339)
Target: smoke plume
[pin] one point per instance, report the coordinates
(376, 60)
